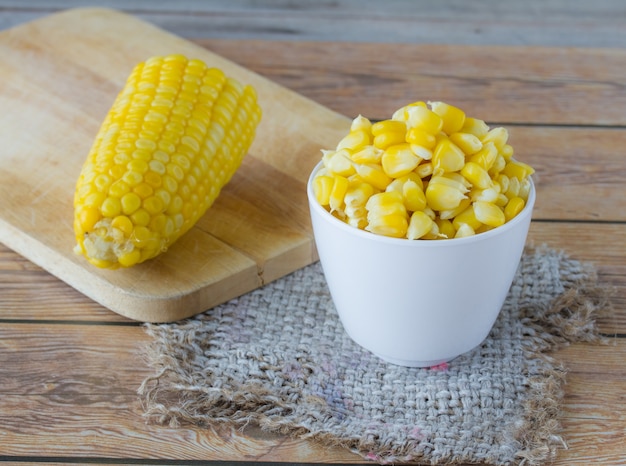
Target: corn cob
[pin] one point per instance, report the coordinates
(426, 173)
(174, 136)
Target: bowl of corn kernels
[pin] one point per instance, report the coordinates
(420, 222)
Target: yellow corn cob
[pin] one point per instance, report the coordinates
(173, 138)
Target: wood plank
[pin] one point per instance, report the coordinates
(484, 22)
(555, 86)
(70, 392)
(29, 293)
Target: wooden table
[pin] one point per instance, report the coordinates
(69, 368)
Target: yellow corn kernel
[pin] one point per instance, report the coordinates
(340, 188)
(425, 119)
(486, 156)
(398, 183)
(502, 200)
(446, 229)
(499, 137)
(467, 217)
(420, 137)
(388, 225)
(444, 194)
(388, 126)
(498, 165)
(361, 123)
(451, 213)
(402, 114)
(386, 214)
(514, 185)
(467, 142)
(389, 138)
(489, 214)
(355, 140)
(464, 231)
(386, 203)
(447, 157)
(413, 196)
(507, 152)
(513, 207)
(322, 187)
(338, 162)
(476, 127)
(517, 169)
(373, 175)
(368, 154)
(399, 160)
(424, 169)
(453, 117)
(357, 194)
(502, 181)
(419, 225)
(177, 125)
(487, 194)
(524, 189)
(422, 152)
(476, 175)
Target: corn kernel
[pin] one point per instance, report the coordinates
(489, 214)
(361, 123)
(422, 117)
(447, 157)
(373, 175)
(337, 194)
(368, 154)
(384, 140)
(399, 160)
(419, 225)
(513, 207)
(388, 126)
(476, 127)
(468, 143)
(499, 137)
(486, 156)
(424, 169)
(453, 117)
(443, 194)
(467, 217)
(414, 197)
(386, 203)
(464, 230)
(355, 140)
(476, 175)
(446, 229)
(517, 169)
(338, 162)
(420, 137)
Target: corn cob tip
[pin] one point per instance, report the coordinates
(175, 135)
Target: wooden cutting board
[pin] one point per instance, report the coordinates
(58, 78)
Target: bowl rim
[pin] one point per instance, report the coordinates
(335, 222)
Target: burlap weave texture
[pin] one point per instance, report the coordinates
(280, 358)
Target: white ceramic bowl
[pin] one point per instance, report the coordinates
(417, 303)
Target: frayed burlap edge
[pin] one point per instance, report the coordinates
(570, 318)
(169, 397)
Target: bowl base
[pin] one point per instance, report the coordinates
(412, 363)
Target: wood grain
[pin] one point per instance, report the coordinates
(65, 374)
(70, 368)
(480, 22)
(521, 85)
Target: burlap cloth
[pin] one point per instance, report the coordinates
(280, 358)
